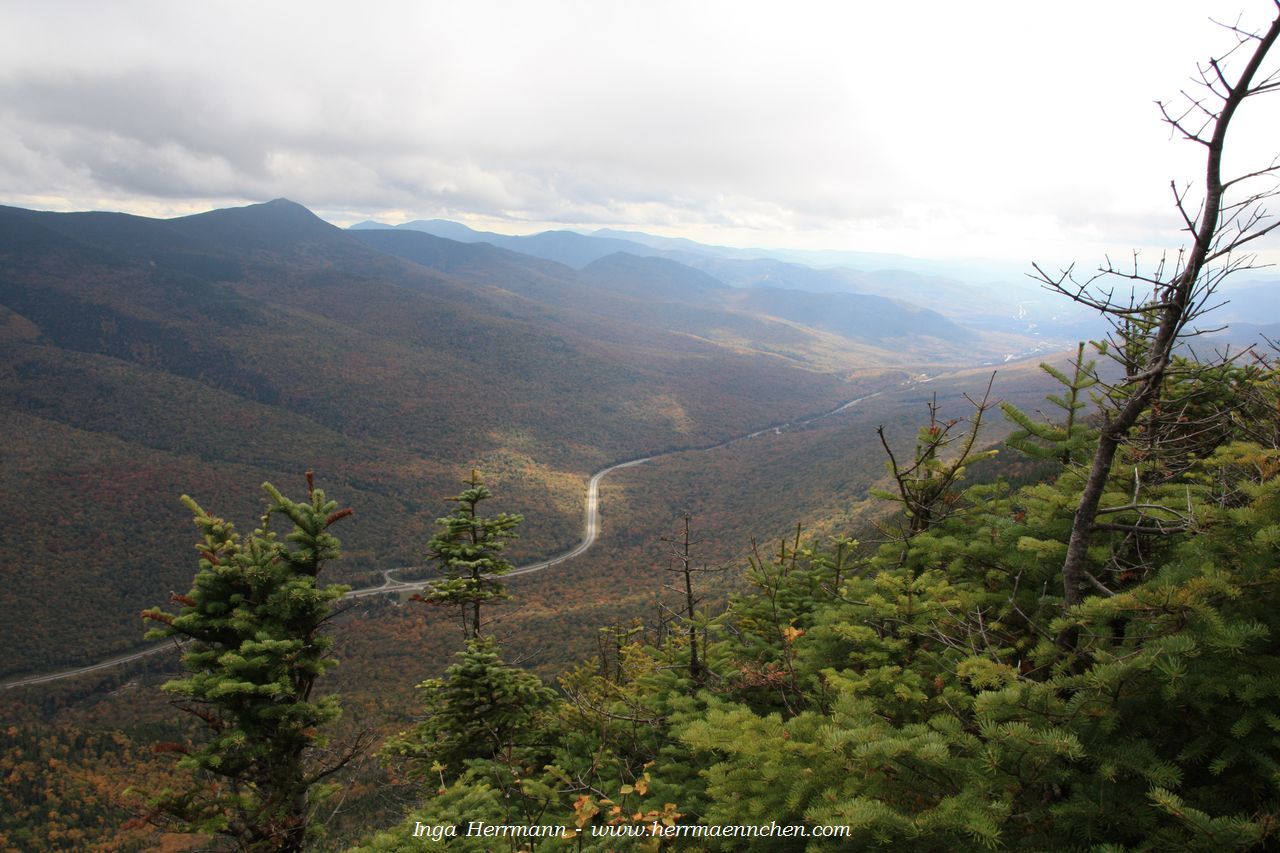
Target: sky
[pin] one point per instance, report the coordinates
(1013, 131)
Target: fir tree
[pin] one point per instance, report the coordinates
(482, 709)
(468, 552)
(1066, 440)
(484, 745)
(255, 652)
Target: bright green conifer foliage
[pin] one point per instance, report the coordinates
(1067, 438)
(484, 746)
(468, 552)
(482, 708)
(254, 650)
(927, 702)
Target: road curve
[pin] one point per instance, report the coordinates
(590, 532)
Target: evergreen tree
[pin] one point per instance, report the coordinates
(933, 707)
(484, 747)
(1066, 440)
(926, 486)
(483, 708)
(468, 551)
(255, 652)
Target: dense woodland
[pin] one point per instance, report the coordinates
(935, 693)
(144, 358)
(932, 691)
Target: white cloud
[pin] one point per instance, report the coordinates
(1004, 129)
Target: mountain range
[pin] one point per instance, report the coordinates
(144, 358)
(995, 297)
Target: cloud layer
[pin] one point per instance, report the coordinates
(1005, 129)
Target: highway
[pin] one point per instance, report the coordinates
(590, 532)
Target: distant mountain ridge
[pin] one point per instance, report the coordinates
(994, 295)
(1013, 308)
(991, 297)
(677, 296)
(739, 268)
(566, 247)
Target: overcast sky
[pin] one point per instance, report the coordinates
(1012, 130)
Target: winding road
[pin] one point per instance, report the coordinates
(590, 532)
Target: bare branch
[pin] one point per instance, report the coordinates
(1219, 228)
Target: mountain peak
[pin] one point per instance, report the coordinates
(270, 223)
(448, 229)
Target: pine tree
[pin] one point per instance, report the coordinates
(1068, 439)
(255, 652)
(468, 551)
(483, 708)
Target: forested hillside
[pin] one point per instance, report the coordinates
(936, 693)
(144, 358)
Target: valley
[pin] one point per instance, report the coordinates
(393, 586)
(148, 358)
(144, 359)
(614, 427)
